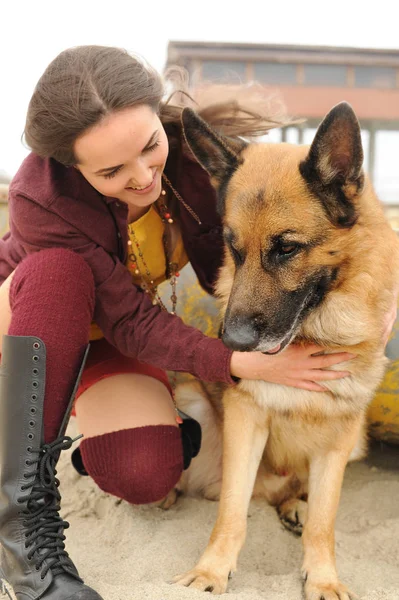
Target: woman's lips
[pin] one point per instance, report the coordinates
(145, 190)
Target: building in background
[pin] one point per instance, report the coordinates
(4, 181)
(311, 81)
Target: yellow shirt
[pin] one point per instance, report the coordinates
(148, 231)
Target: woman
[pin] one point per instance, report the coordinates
(109, 204)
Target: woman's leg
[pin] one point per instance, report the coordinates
(46, 310)
(124, 401)
(51, 296)
(5, 309)
(132, 446)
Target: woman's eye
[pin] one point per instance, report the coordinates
(153, 147)
(112, 174)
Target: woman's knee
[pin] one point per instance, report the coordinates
(112, 398)
(139, 465)
(51, 273)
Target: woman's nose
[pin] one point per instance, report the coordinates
(142, 175)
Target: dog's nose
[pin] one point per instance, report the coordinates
(241, 336)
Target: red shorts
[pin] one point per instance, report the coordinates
(105, 360)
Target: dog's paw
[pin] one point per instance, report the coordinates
(327, 591)
(170, 499)
(203, 580)
(293, 514)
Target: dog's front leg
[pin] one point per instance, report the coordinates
(326, 473)
(244, 438)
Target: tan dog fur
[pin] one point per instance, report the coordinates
(270, 429)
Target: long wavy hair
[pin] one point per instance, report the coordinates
(84, 84)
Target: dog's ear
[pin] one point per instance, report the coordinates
(333, 167)
(218, 155)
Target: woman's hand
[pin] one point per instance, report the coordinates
(297, 366)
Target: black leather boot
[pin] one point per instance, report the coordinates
(33, 561)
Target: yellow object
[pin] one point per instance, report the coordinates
(383, 413)
(148, 231)
(195, 307)
(95, 332)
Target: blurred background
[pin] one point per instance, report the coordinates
(312, 58)
(311, 80)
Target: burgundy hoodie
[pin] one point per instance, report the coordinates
(51, 205)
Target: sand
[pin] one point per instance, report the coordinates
(129, 552)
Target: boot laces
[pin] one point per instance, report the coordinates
(44, 528)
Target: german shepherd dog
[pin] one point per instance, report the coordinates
(309, 258)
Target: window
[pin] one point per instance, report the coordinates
(275, 73)
(379, 77)
(386, 174)
(292, 135)
(365, 143)
(327, 75)
(224, 70)
(274, 136)
(308, 135)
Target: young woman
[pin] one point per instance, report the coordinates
(109, 204)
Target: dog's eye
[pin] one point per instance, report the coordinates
(237, 255)
(288, 249)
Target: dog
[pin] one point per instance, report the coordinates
(309, 258)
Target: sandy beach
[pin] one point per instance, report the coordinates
(129, 552)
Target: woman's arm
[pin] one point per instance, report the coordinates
(130, 322)
(124, 313)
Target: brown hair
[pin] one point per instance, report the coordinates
(78, 89)
(84, 84)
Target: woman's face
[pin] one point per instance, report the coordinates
(124, 156)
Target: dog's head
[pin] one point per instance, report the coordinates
(287, 211)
